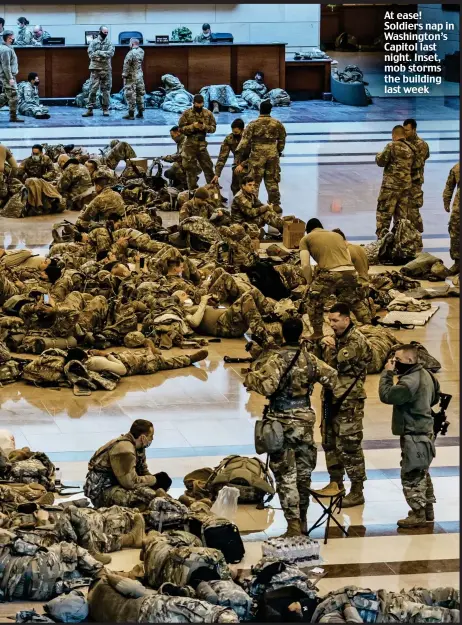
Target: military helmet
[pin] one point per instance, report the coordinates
(134, 339)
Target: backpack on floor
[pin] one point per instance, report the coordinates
(227, 594)
(218, 533)
(184, 565)
(248, 475)
(166, 513)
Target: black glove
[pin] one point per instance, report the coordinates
(162, 480)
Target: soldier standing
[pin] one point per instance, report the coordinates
(287, 377)
(453, 182)
(228, 146)
(398, 160)
(342, 433)
(132, 74)
(195, 124)
(8, 71)
(336, 275)
(265, 139)
(422, 152)
(100, 51)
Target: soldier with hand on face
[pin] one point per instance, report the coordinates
(38, 35)
(342, 433)
(422, 153)
(38, 165)
(287, 376)
(29, 99)
(132, 74)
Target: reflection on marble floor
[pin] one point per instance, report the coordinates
(203, 413)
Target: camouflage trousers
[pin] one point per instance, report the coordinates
(269, 218)
(292, 468)
(345, 286)
(143, 362)
(291, 275)
(225, 287)
(341, 441)
(134, 93)
(120, 152)
(93, 317)
(102, 80)
(177, 175)
(391, 204)
(139, 497)
(236, 180)
(144, 243)
(454, 232)
(417, 486)
(31, 109)
(7, 289)
(415, 203)
(96, 530)
(194, 157)
(243, 315)
(268, 169)
(10, 97)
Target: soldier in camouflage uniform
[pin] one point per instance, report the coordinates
(8, 71)
(38, 35)
(195, 124)
(422, 153)
(264, 139)
(106, 203)
(290, 405)
(100, 51)
(118, 473)
(342, 432)
(75, 183)
(398, 160)
(205, 35)
(247, 208)
(132, 74)
(29, 99)
(25, 36)
(453, 182)
(228, 146)
(38, 165)
(176, 174)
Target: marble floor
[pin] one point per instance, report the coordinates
(203, 413)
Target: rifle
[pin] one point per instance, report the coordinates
(440, 423)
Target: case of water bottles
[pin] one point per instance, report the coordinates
(300, 550)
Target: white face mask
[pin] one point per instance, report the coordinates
(188, 303)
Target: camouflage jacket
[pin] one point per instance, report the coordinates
(351, 359)
(267, 371)
(28, 94)
(453, 182)
(230, 144)
(105, 203)
(176, 158)
(38, 41)
(186, 123)
(398, 159)
(8, 63)
(133, 64)
(202, 38)
(75, 180)
(422, 152)
(101, 52)
(43, 168)
(246, 207)
(264, 134)
(24, 37)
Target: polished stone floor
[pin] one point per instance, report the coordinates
(203, 413)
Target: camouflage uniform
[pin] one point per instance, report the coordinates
(243, 315)
(343, 434)
(8, 71)
(453, 182)
(75, 184)
(24, 37)
(114, 153)
(226, 287)
(191, 209)
(247, 208)
(241, 252)
(29, 100)
(398, 159)
(118, 475)
(176, 174)
(422, 152)
(38, 41)
(134, 80)
(264, 139)
(99, 209)
(294, 464)
(100, 52)
(144, 362)
(194, 151)
(42, 168)
(228, 146)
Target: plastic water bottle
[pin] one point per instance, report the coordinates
(58, 476)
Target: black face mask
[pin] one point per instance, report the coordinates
(402, 367)
(198, 109)
(103, 35)
(37, 82)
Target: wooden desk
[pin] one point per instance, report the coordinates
(64, 69)
(308, 77)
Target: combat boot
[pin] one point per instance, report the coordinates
(415, 518)
(216, 108)
(14, 118)
(429, 512)
(200, 355)
(134, 539)
(333, 488)
(455, 269)
(140, 114)
(106, 112)
(293, 529)
(104, 558)
(355, 497)
(89, 113)
(129, 115)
